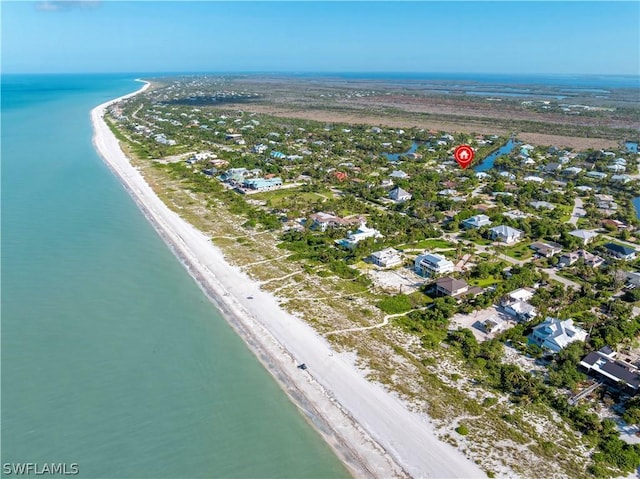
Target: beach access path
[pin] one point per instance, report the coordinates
(370, 429)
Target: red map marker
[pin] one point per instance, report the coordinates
(463, 155)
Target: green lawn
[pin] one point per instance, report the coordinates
(428, 244)
(483, 283)
(520, 251)
(278, 197)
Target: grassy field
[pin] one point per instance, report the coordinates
(483, 283)
(520, 251)
(278, 197)
(427, 244)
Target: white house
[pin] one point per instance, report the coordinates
(362, 233)
(431, 264)
(476, 221)
(399, 195)
(521, 310)
(584, 235)
(555, 334)
(506, 234)
(386, 258)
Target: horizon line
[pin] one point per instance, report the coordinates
(315, 72)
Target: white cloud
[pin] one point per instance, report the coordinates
(59, 5)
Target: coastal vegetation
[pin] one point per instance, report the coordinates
(502, 388)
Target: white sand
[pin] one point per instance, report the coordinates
(371, 430)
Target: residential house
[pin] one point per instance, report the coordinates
(353, 238)
(552, 167)
(620, 251)
(598, 175)
(399, 195)
(322, 221)
(621, 178)
(542, 205)
(633, 280)
(432, 264)
(619, 374)
(535, 179)
(568, 259)
(515, 304)
(262, 184)
(521, 310)
(477, 221)
(555, 334)
(506, 234)
(546, 250)
(585, 236)
(494, 324)
(449, 286)
(591, 260)
(398, 174)
(386, 258)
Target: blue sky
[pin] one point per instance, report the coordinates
(145, 36)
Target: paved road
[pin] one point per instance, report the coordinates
(567, 282)
(578, 211)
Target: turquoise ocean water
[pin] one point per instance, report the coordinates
(112, 357)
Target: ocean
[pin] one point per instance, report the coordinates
(112, 357)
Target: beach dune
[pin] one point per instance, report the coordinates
(370, 429)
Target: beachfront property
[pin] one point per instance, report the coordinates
(521, 310)
(585, 236)
(362, 233)
(449, 286)
(620, 251)
(554, 334)
(386, 258)
(399, 195)
(516, 304)
(603, 365)
(322, 221)
(477, 221)
(494, 324)
(432, 264)
(505, 234)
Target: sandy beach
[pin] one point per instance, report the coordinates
(372, 431)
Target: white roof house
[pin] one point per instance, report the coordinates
(585, 235)
(542, 205)
(521, 310)
(521, 294)
(399, 195)
(555, 334)
(476, 221)
(430, 264)
(398, 174)
(362, 233)
(386, 258)
(506, 234)
(535, 179)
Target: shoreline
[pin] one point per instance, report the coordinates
(371, 431)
